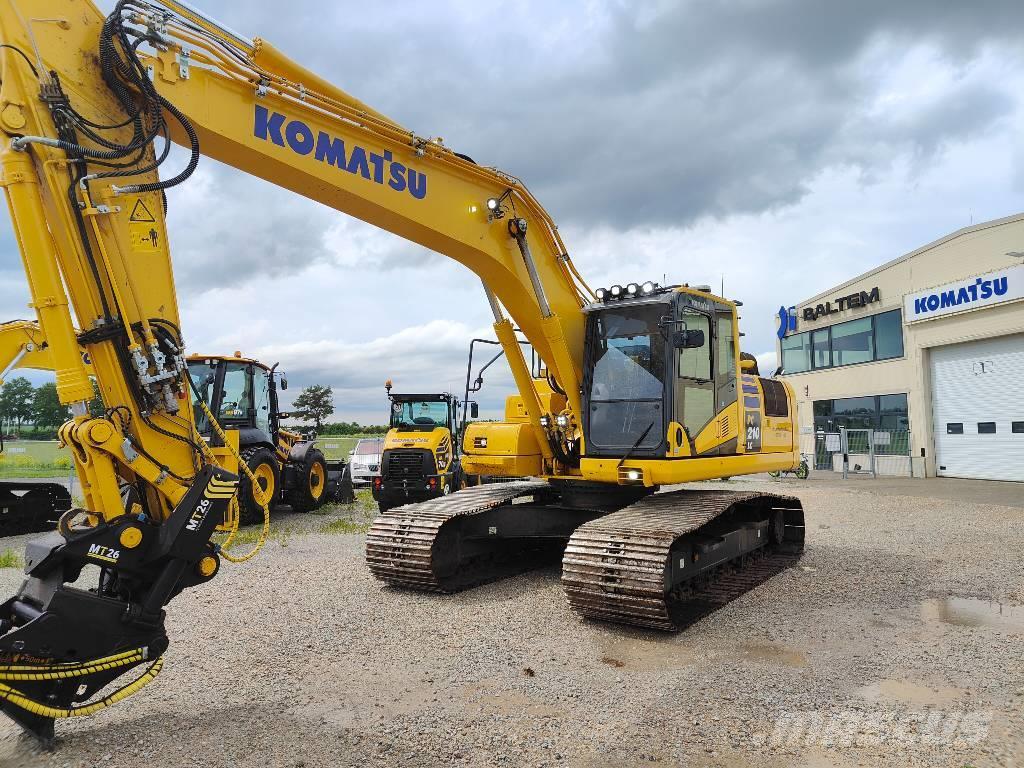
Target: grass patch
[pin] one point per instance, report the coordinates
(11, 559)
(344, 525)
(352, 518)
(34, 458)
(336, 447)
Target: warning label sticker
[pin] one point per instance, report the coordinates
(141, 213)
(144, 237)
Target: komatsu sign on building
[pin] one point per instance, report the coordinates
(929, 346)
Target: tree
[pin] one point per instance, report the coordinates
(96, 407)
(47, 410)
(16, 400)
(314, 404)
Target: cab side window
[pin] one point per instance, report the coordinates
(695, 363)
(725, 349)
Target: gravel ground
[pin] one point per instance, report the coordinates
(885, 647)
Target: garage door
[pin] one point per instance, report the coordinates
(978, 407)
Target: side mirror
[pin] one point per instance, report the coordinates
(688, 339)
(474, 410)
(284, 382)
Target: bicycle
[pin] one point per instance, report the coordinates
(801, 472)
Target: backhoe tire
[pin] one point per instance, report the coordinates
(263, 463)
(310, 489)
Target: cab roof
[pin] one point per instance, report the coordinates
(442, 397)
(235, 358)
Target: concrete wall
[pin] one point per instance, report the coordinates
(964, 254)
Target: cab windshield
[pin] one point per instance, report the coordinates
(419, 414)
(627, 358)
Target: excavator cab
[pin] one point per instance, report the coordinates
(661, 367)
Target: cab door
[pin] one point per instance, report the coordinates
(694, 380)
(725, 362)
(261, 400)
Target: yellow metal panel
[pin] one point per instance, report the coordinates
(510, 450)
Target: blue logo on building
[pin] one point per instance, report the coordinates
(787, 321)
(379, 168)
(979, 290)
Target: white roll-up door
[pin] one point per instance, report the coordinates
(978, 408)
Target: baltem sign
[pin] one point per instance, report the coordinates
(991, 288)
(853, 301)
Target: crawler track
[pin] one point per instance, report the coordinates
(625, 567)
(31, 507)
(418, 545)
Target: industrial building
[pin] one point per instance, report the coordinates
(932, 343)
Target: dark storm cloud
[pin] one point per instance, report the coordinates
(228, 230)
(654, 115)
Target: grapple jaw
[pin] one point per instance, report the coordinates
(71, 631)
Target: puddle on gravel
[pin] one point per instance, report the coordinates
(974, 612)
(640, 654)
(774, 654)
(487, 696)
(908, 692)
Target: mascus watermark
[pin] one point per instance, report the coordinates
(875, 727)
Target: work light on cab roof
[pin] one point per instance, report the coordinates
(631, 291)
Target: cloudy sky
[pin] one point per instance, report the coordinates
(780, 147)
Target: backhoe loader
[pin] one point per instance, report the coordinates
(644, 384)
(242, 393)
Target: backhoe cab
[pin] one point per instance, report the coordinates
(420, 459)
(242, 395)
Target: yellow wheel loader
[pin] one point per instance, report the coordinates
(420, 458)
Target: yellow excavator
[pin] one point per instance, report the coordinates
(644, 384)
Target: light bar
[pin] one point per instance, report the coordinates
(631, 291)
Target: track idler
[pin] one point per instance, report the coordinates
(70, 632)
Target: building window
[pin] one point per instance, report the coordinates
(955, 428)
(1017, 427)
(821, 354)
(855, 412)
(879, 337)
(870, 412)
(796, 353)
(986, 427)
(853, 342)
(888, 335)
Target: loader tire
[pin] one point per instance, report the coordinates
(263, 463)
(310, 489)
